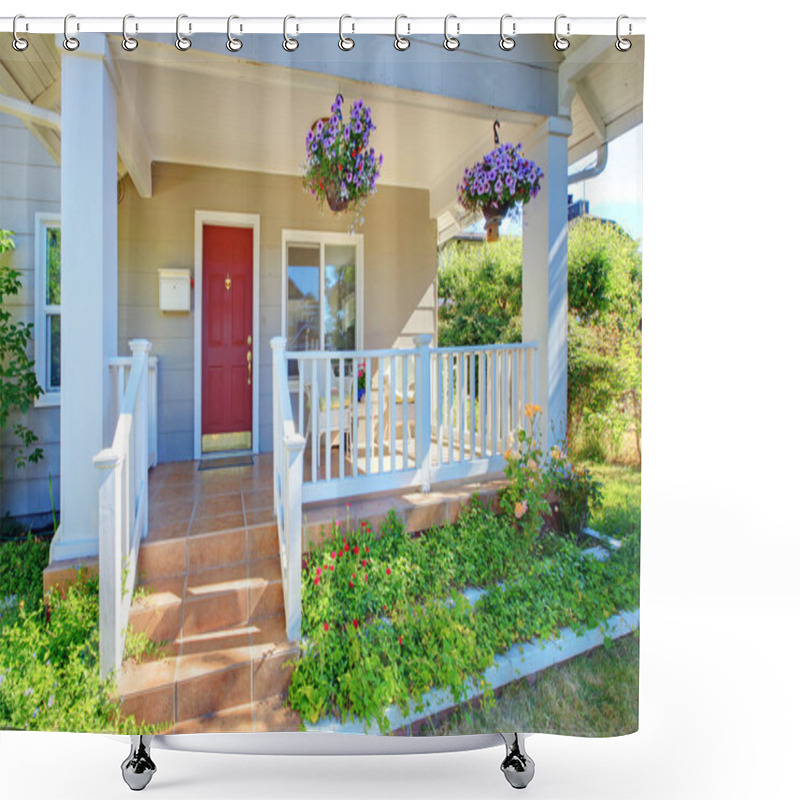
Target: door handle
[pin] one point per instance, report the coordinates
(249, 367)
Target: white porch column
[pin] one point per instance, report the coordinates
(88, 287)
(544, 276)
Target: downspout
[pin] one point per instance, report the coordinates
(595, 169)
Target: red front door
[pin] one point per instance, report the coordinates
(227, 338)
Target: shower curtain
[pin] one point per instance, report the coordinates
(324, 400)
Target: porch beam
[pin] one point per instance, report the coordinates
(47, 139)
(584, 96)
(576, 64)
(28, 112)
(88, 288)
(544, 278)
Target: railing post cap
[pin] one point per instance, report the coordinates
(278, 342)
(140, 346)
(106, 459)
(294, 442)
(423, 339)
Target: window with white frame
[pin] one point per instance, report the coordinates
(47, 326)
(323, 289)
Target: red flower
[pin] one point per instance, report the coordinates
(346, 547)
(353, 154)
(399, 638)
(319, 571)
(340, 554)
(333, 554)
(355, 550)
(340, 167)
(355, 623)
(364, 563)
(325, 626)
(347, 505)
(366, 576)
(367, 548)
(316, 580)
(331, 568)
(388, 571)
(351, 584)
(353, 575)
(384, 608)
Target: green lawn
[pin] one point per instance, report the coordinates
(592, 695)
(620, 515)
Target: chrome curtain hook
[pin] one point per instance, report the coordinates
(128, 42)
(289, 43)
(233, 44)
(181, 42)
(559, 42)
(345, 42)
(507, 42)
(70, 42)
(400, 42)
(19, 44)
(450, 42)
(622, 44)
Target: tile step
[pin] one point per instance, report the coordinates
(211, 674)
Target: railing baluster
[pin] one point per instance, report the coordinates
(381, 401)
(355, 412)
(473, 406)
(462, 403)
(314, 420)
(393, 414)
(342, 402)
(326, 361)
(301, 396)
(406, 432)
(514, 396)
(483, 402)
(368, 420)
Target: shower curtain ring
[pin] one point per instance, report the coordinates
(128, 43)
(559, 42)
(181, 42)
(70, 42)
(622, 44)
(451, 42)
(19, 44)
(400, 42)
(345, 42)
(290, 44)
(233, 44)
(507, 42)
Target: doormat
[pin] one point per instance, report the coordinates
(230, 461)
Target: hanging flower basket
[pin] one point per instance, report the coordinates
(500, 179)
(341, 168)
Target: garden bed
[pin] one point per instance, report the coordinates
(396, 628)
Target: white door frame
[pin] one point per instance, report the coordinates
(230, 220)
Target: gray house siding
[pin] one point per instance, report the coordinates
(30, 182)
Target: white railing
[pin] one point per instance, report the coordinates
(423, 415)
(124, 497)
(288, 483)
(397, 418)
(120, 367)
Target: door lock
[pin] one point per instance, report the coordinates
(249, 367)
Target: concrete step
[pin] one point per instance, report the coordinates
(213, 673)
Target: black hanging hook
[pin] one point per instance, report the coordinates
(494, 128)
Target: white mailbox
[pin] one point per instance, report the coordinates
(175, 289)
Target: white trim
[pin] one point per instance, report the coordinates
(230, 220)
(291, 236)
(42, 222)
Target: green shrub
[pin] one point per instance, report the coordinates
(49, 667)
(384, 620)
(21, 567)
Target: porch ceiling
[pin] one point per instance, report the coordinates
(192, 112)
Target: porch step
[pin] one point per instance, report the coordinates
(176, 608)
(212, 676)
(162, 556)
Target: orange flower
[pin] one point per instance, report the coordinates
(520, 509)
(532, 465)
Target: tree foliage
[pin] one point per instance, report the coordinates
(18, 384)
(605, 335)
(480, 293)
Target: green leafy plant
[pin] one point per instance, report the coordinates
(385, 620)
(18, 384)
(49, 667)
